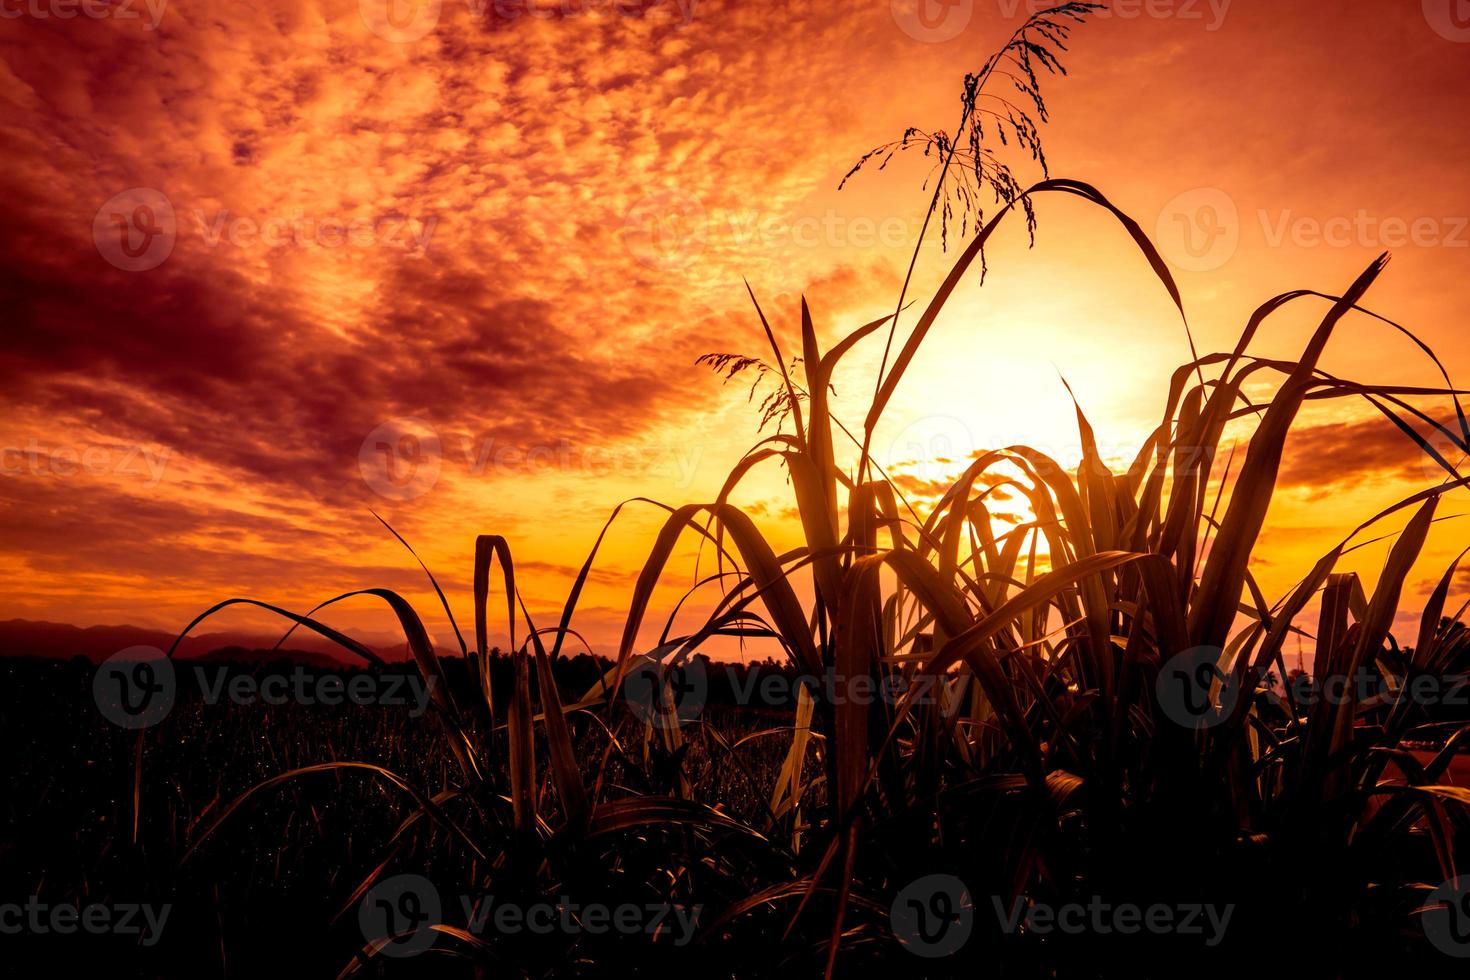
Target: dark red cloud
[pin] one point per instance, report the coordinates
(1339, 456)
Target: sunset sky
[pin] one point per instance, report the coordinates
(508, 231)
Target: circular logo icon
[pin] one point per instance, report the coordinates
(398, 912)
(933, 916)
(1194, 691)
(932, 21)
(135, 230)
(135, 688)
(929, 454)
(1447, 917)
(1440, 441)
(1199, 230)
(399, 21)
(1449, 18)
(661, 692)
(666, 229)
(401, 458)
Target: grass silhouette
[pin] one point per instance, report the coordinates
(1034, 747)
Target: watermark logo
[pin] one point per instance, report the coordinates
(831, 229)
(401, 458)
(933, 916)
(1363, 229)
(489, 455)
(1442, 441)
(64, 462)
(1194, 691)
(484, 914)
(398, 913)
(135, 230)
(138, 687)
(135, 688)
(40, 918)
(667, 693)
(311, 688)
(1368, 686)
(1103, 918)
(682, 10)
(397, 231)
(666, 230)
(1199, 230)
(1449, 18)
(932, 21)
(1211, 13)
(399, 21)
(90, 9)
(931, 450)
(781, 690)
(1202, 229)
(1446, 918)
(398, 917)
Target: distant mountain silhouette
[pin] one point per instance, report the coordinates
(31, 638)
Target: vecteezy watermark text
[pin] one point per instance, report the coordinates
(36, 459)
(89, 9)
(1102, 918)
(937, 21)
(136, 230)
(1209, 13)
(935, 915)
(679, 692)
(669, 228)
(138, 687)
(406, 21)
(1425, 690)
(65, 919)
(398, 914)
(403, 458)
(409, 235)
(1201, 230)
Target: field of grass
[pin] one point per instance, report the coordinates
(274, 879)
(1080, 716)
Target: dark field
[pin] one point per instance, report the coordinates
(276, 876)
(274, 887)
